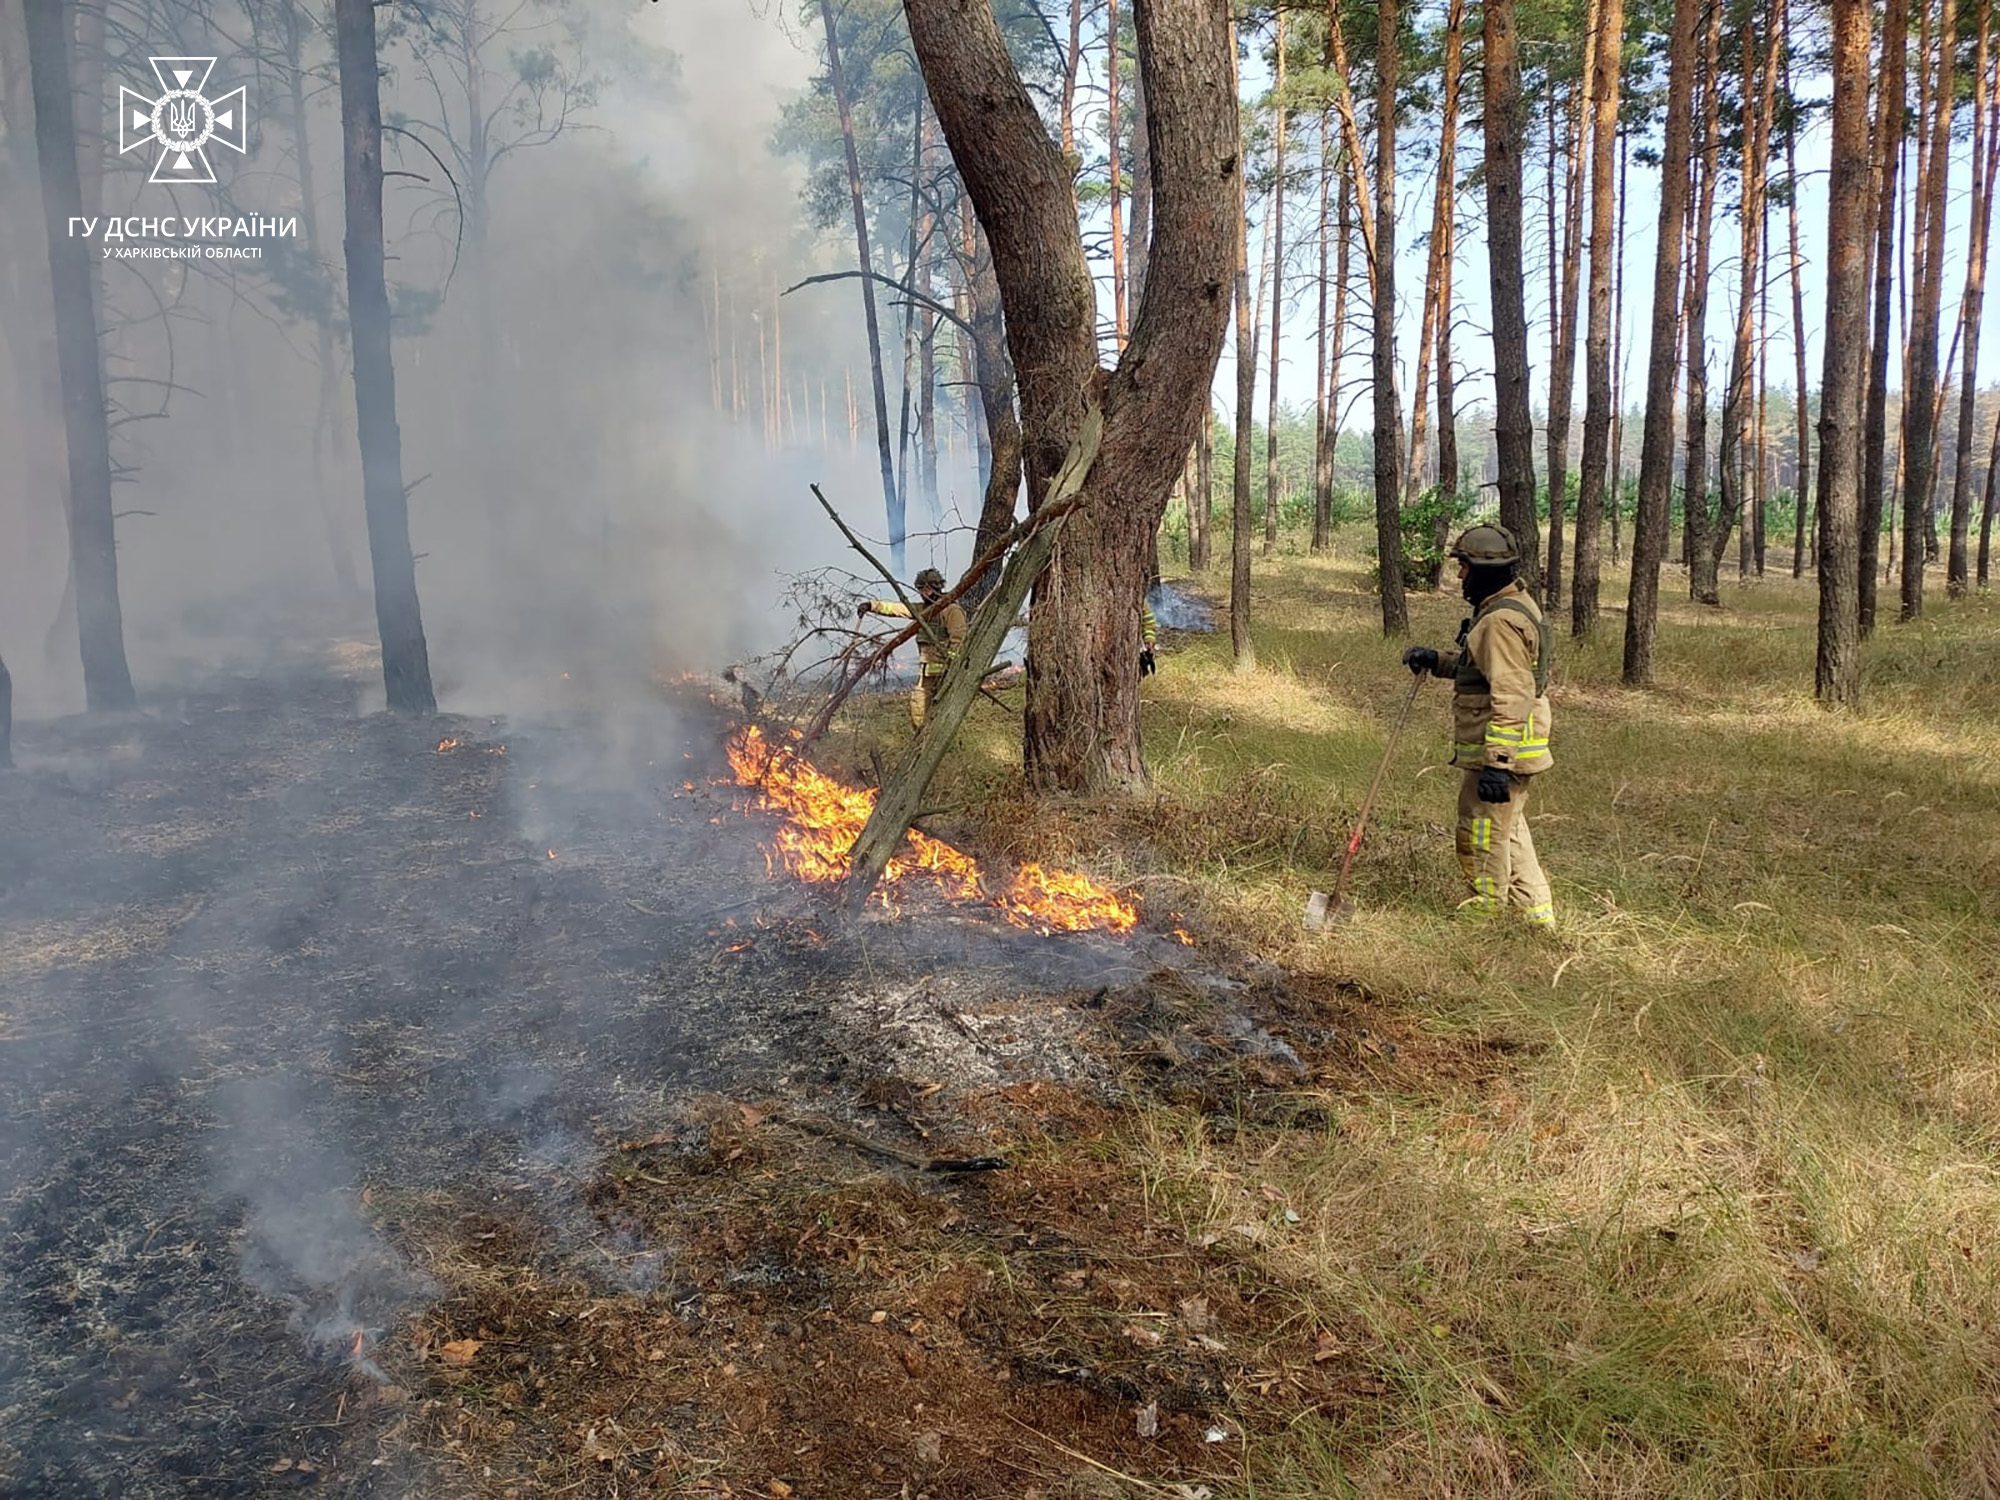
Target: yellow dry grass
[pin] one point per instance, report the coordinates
(1725, 1218)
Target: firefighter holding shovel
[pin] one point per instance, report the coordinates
(1499, 672)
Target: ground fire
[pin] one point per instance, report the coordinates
(823, 818)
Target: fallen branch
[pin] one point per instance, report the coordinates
(927, 626)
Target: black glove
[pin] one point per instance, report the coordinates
(864, 609)
(1421, 659)
(1146, 667)
(1496, 784)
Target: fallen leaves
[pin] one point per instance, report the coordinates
(460, 1351)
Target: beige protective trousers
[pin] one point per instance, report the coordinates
(921, 696)
(1497, 853)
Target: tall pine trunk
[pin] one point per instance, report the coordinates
(1694, 483)
(1971, 306)
(1921, 386)
(1330, 382)
(1514, 423)
(1437, 275)
(1322, 437)
(107, 680)
(406, 666)
(892, 500)
(1447, 226)
(1837, 670)
(1277, 298)
(1656, 454)
(1388, 417)
(1888, 139)
(1738, 406)
(1562, 332)
(1605, 43)
(1802, 490)
(1242, 649)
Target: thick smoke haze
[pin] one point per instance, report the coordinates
(586, 363)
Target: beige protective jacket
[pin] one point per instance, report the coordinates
(951, 617)
(1500, 679)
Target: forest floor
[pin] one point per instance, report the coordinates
(439, 1108)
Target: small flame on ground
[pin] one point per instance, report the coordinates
(823, 819)
(552, 854)
(444, 745)
(359, 1337)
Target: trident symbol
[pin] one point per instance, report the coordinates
(182, 120)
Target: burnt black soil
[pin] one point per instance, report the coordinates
(273, 970)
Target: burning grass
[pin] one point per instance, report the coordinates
(823, 818)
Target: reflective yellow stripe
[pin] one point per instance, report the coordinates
(1482, 833)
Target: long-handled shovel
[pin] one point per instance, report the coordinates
(1323, 910)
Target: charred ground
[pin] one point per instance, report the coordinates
(411, 1107)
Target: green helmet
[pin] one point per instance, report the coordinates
(1486, 546)
(930, 578)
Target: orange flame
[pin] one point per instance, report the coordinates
(444, 745)
(355, 1352)
(823, 819)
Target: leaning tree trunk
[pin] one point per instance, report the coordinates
(1971, 306)
(107, 680)
(1888, 138)
(892, 500)
(1837, 671)
(1514, 423)
(1604, 44)
(406, 667)
(1919, 406)
(1388, 419)
(1082, 721)
(1656, 452)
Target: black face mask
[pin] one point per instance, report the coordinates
(1484, 580)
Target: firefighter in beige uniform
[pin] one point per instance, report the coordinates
(1500, 708)
(933, 658)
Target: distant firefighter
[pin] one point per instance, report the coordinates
(930, 587)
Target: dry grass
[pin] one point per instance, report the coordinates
(1726, 1220)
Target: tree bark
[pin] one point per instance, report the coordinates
(1082, 723)
(1888, 138)
(1242, 647)
(1514, 423)
(1738, 413)
(892, 501)
(1437, 271)
(107, 680)
(1330, 381)
(1615, 500)
(1656, 453)
(996, 394)
(1388, 416)
(1322, 401)
(1702, 584)
(1118, 322)
(1919, 408)
(1802, 490)
(1562, 364)
(1605, 47)
(406, 668)
(1446, 225)
(1277, 297)
(1970, 308)
(1986, 505)
(1837, 670)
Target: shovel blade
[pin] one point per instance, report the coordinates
(1318, 904)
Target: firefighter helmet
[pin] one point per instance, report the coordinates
(930, 578)
(1486, 546)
